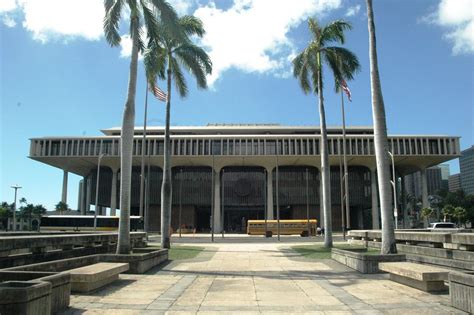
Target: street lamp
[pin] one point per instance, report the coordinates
(394, 184)
(16, 187)
(97, 191)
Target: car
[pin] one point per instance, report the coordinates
(442, 225)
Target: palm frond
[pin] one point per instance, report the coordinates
(343, 63)
(300, 71)
(192, 25)
(149, 20)
(168, 19)
(334, 32)
(314, 28)
(113, 10)
(155, 62)
(179, 80)
(196, 61)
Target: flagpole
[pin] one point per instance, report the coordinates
(346, 176)
(142, 176)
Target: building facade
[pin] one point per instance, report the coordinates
(455, 182)
(231, 173)
(434, 181)
(466, 166)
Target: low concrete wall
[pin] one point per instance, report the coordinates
(25, 298)
(24, 250)
(461, 291)
(452, 249)
(58, 265)
(60, 285)
(359, 260)
(141, 260)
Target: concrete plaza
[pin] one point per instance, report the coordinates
(256, 277)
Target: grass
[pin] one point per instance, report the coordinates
(318, 251)
(184, 252)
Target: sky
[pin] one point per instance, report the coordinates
(59, 77)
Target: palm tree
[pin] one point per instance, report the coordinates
(308, 68)
(381, 142)
(140, 11)
(164, 59)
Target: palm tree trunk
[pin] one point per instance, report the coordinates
(166, 186)
(381, 142)
(126, 148)
(325, 168)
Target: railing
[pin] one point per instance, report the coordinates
(244, 145)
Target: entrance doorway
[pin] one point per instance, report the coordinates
(235, 219)
(203, 219)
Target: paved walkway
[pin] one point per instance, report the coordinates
(257, 278)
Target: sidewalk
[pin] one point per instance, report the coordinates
(255, 278)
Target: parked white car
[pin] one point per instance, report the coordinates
(442, 225)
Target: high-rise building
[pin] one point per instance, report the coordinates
(444, 176)
(455, 182)
(466, 165)
(434, 181)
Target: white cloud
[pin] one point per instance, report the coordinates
(8, 20)
(7, 5)
(48, 19)
(252, 35)
(182, 7)
(70, 18)
(126, 47)
(457, 17)
(351, 11)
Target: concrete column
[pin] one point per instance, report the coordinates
(64, 192)
(217, 201)
(88, 195)
(269, 194)
(404, 204)
(80, 197)
(424, 189)
(113, 193)
(375, 200)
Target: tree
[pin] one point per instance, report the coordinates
(140, 11)
(308, 69)
(427, 213)
(61, 206)
(164, 59)
(448, 212)
(26, 213)
(6, 212)
(460, 214)
(380, 142)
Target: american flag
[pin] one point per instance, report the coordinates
(346, 90)
(159, 94)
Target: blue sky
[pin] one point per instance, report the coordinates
(60, 78)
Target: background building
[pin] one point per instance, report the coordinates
(466, 166)
(241, 172)
(455, 182)
(445, 172)
(434, 176)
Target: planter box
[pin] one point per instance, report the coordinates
(60, 285)
(359, 260)
(461, 291)
(25, 298)
(140, 260)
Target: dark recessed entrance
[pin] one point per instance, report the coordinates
(203, 219)
(235, 218)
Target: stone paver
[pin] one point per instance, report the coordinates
(255, 278)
